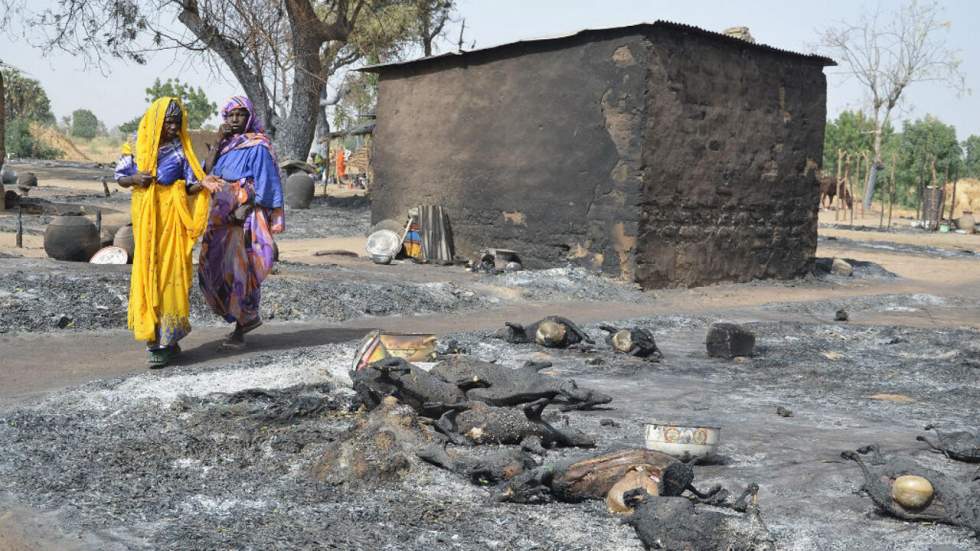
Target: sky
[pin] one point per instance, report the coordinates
(118, 96)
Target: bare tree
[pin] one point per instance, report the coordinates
(887, 56)
(431, 17)
(282, 52)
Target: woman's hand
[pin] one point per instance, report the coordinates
(212, 183)
(225, 132)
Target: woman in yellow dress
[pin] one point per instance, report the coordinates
(169, 211)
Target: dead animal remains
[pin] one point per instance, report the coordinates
(675, 523)
(551, 332)
(499, 385)
(960, 445)
(595, 477)
(635, 342)
(910, 491)
(483, 424)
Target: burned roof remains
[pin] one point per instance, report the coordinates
(589, 34)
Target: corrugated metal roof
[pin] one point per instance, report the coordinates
(825, 61)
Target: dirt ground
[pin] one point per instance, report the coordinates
(100, 453)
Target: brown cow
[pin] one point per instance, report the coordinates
(827, 189)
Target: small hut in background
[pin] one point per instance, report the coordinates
(357, 140)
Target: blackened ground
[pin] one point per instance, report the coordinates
(168, 460)
(329, 217)
(46, 295)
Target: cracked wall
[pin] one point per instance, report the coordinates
(662, 157)
(734, 137)
(536, 151)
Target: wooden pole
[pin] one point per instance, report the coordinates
(850, 188)
(952, 205)
(891, 196)
(98, 222)
(20, 227)
(881, 217)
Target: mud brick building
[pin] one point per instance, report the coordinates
(659, 153)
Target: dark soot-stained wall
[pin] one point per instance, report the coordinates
(667, 157)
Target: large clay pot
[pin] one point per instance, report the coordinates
(299, 190)
(124, 240)
(7, 176)
(71, 237)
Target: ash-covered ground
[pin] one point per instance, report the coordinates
(43, 295)
(182, 459)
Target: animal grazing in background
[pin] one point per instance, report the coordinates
(551, 332)
(828, 190)
(635, 342)
(25, 182)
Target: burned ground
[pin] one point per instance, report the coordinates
(183, 459)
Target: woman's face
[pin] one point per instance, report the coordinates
(237, 119)
(171, 129)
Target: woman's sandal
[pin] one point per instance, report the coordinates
(161, 357)
(250, 326)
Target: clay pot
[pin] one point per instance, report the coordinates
(71, 237)
(299, 190)
(967, 222)
(124, 240)
(7, 176)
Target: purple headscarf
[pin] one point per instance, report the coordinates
(254, 133)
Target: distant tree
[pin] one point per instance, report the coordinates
(851, 131)
(20, 143)
(430, 18)
(199, 109)
(886, 57)
(84, 124)
(24, 98)
(923, 145)
(130, 127)
(282, 53)
(971, 160)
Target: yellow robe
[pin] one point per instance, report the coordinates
(166, 223)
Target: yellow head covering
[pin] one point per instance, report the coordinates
(166, 222)
(148, 137)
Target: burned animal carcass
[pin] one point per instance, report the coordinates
(484, 424)
(471, 407)
(959, 445)
(635, 342)
(675, 523)
(499, 385)
(380, 446)
(595, 477)
(550, 332)
(910, 491)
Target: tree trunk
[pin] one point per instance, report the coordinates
(3, 134)
(869, 188)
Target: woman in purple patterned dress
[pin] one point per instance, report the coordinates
(238, 250)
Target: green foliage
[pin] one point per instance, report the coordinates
(130, 127)
(971, 161)
(360, 100)
(853, 132)
(84, 124)
(914, 148)
(20, 143)
(199, 109)
(921, 142)
(25, 99)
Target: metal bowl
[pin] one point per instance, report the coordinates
(684, 442)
